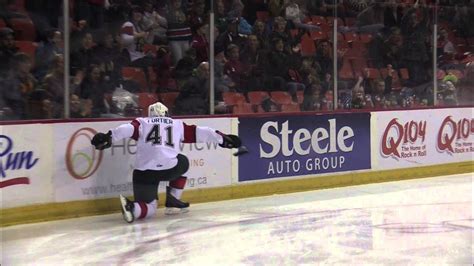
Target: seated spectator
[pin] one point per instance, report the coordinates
(83, 57)
(93, 88)
(268, 105)
(377, 86)
(22, 67)
(252, 57)
(279, 30)
(235, 69)
(446, 49)
(200, 43)
(222, 82)
(16, 84)
(193, 97)
(244, 27)
(277, 66)
(275, 8)
(465, 85)
(46, 53)
(448, 91)
(80, 108)
(53, 84)
(109, 56)
(231, 35)
(220, 16)
(185, 67)
(324, 58)
(40, 105)
(259, 31)
(358, 96)
(7, 49)
(312, 98)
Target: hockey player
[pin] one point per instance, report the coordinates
(158, 158)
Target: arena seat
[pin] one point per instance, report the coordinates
(318, 35)
(233, 98)
(281, 97)
(351, 36)
(28, 48)
(168, 98)
(242, 108)
(366, 37)
(317, 20)
(291, 107)
(256, 97)
(346, 71)
(144, 100)
(137, 75)
(24, 29)
(308, 47)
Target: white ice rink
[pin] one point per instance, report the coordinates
(424, 221)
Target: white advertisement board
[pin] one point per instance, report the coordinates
(85, 173)
(26, 165)
(422, 137)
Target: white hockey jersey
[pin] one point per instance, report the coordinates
(158, 140)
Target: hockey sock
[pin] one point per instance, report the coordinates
(177, 187)
(144, 210)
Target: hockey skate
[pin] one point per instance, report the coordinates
(127, 209)
(174, 205)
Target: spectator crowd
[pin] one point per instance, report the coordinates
(269, 56)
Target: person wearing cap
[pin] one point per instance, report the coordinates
(133, 38)
(231, 35)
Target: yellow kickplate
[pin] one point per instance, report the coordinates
(72, 209)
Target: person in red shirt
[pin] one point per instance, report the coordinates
(158, 159)
(234, 68)
(200, 43)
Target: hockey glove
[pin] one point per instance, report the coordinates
(230, 141)
(102, 141)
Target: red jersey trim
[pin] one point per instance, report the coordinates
(189, 133)
(135, 125)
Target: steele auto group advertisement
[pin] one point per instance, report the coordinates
(288, 146)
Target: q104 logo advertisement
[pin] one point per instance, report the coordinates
(424, 137)
(286, 146)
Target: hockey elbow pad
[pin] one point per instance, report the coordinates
(102, 141)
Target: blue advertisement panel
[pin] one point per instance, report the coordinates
(286, 146)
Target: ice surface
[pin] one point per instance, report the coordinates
(425, 221)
